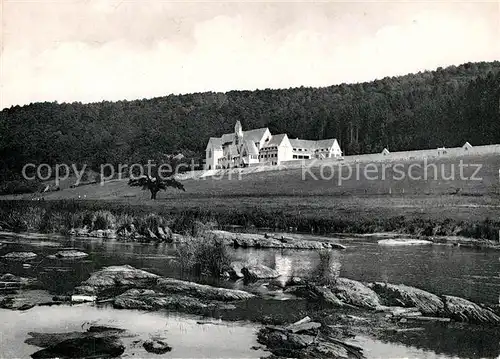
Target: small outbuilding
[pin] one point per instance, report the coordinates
(467, 146)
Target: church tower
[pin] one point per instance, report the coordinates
(238, 133)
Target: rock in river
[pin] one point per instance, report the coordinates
(156, 346)
(20, 256)
(25, 299)
(356, 293)
(86, 347)
(313, 343)
(246, 240)
(96, 342)
(147, 299)
(406, 296)
(11, 281)
(466, 311)
(176, 286)
(115, 277)
(259, 271)
(70, 254)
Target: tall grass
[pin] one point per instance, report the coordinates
(47, 216)
(205, 255)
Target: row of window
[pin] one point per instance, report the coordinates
(269, 155)
(306, 150)
(300, 157)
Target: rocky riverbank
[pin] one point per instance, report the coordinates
(336, 311)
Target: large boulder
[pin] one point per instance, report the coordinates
(11, 281)
(406, 296)
(463, 310)
(246, 240)
(356, 293)
(312, 343)
(322, 295)
(20, 256)
(147, 299)
(259, 271)
(202, 291)
(45, 340)
(156, 346)
(86, 347)
(117, 277)
(25, 299)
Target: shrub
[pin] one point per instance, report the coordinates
(150, 222)
(205, 255)
(20, 187)
(124, 222)
(16, 223)
(103, 220)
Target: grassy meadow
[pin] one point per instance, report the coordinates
(376, 197)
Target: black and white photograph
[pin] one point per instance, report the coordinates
(246, 179)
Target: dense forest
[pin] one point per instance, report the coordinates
(445, 107)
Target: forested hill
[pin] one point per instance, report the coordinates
(445, 107)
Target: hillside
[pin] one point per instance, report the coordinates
(425, 110)
(358, 198)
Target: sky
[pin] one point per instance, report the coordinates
(94, 50)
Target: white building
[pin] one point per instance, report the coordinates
(254, 147)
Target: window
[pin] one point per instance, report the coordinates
(209, 153)
(294, 156)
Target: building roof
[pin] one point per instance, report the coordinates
(308, 144)
(254, 135)
(216, 142)
(226, 138)
(276, 140)
(328, 143)
(251, 148)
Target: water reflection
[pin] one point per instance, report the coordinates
(472, 274)
(462, 340)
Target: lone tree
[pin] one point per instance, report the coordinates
(158, 178)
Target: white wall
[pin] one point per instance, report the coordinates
(285, 151)
(213, 160)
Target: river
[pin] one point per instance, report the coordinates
(468, 273)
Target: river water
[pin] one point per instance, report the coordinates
(468, 273)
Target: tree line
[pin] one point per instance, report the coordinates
(428, 109)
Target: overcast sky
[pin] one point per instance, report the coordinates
(93, 50)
